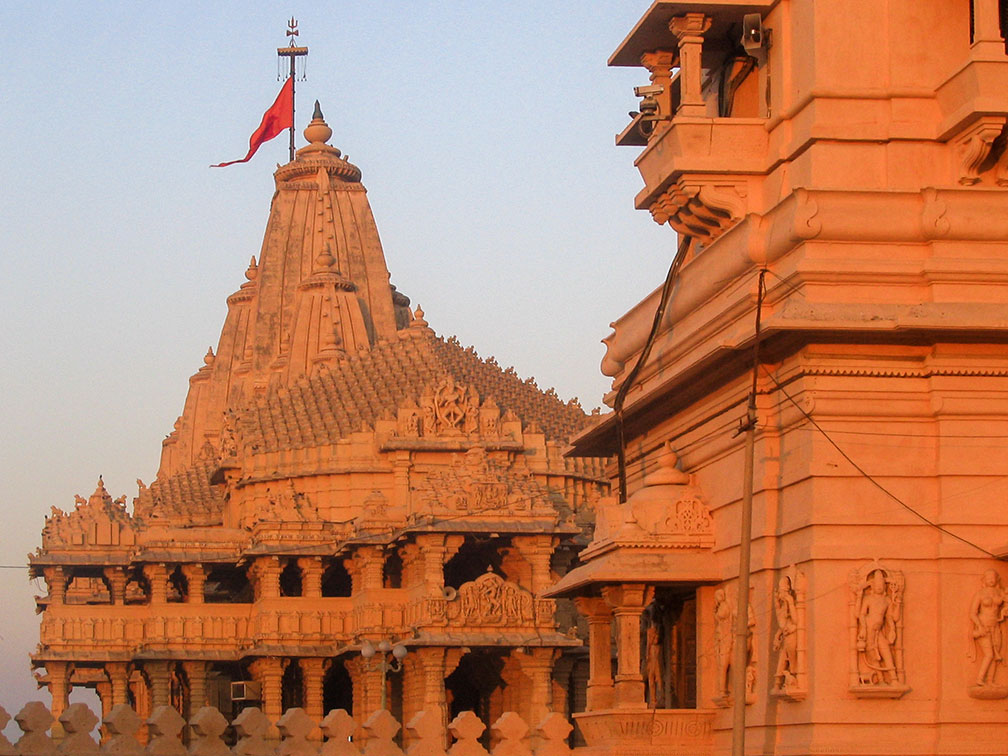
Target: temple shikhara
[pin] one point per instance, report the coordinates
(788, 535)
(341, 480)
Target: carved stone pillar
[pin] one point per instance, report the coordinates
(628, 602)
(365, 568)
(366, 677)
(265, 576)
(117, 584)
(413, 565)
(196, 672)
(600, 682)
(118, 676)
(426, 670)
(195, 575)
(157, 577)
(689, 29)
(159, 676)
(313, 670)
(268, 672)
(537, 551)
(659, 63)
(987, 28)
(56, 582)
(537, 666)
(104, 691)
(59, 688)
(311, 577)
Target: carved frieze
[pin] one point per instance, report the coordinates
(476, 483)
(491, 600)
(876, 632)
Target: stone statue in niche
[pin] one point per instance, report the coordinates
(653, 663)
(877, 632)
(725, 612)
(789, 610)
(987, 614)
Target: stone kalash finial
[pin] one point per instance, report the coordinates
(317, 133)
(418, 325)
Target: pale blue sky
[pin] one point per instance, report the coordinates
(484, 131)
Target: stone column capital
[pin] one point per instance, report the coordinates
(690, 25)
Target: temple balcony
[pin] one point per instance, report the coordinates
(703, 118)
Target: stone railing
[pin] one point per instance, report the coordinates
(338, 734)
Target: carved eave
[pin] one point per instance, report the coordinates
(638, 563)
(652, 31)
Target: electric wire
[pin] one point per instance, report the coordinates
(621, 393)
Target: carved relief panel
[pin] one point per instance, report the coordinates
(789, 643)
(491, 600)
(876, 632)
(987, 613)
(725, 612)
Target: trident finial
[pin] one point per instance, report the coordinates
(292, 30)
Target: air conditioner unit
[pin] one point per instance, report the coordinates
(246, 690)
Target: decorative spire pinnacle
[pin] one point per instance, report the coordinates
(318, 132)
(418, 318)
(252, 271)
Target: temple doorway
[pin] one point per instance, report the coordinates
(337, 688)
(670, 655)
(476, 685)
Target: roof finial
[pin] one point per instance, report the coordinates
(317, 132)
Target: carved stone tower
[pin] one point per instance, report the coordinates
(341, 483)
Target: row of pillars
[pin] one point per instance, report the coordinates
(626, 604)
(424, 673)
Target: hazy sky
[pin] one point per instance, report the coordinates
(484, 131)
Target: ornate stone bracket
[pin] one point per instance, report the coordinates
(704, 209)
(974, 147)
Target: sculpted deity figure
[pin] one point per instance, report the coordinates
(988, 611)
(723, 640)
(786, 637)
(653, 664)
(877, 618)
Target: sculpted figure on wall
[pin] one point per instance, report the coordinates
(450, 409)
(724, 647)
(789, 611)
(987, 614)
(653, 663)
(877, 623)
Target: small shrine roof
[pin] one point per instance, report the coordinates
(638, 565)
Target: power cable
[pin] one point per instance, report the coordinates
(666, 293)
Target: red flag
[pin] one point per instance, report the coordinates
(277, 118)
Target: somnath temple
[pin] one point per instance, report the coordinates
(351, 512)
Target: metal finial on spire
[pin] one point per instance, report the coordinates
(294, 53)
(317, 115)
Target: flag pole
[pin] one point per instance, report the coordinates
(293, 53)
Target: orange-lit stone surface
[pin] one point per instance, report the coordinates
(858, 157)
(340, 476)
